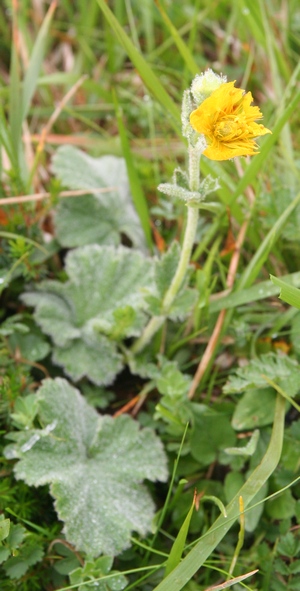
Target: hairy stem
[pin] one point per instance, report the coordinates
(189, 238)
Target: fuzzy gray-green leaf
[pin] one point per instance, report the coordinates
(98, 218)
(165, 268)
(95, 466)
(99, 360)
(82, 315)
(282, 370)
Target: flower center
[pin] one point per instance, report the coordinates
(228, 129)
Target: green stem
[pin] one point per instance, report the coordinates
(189, 238)
(180, 576)
(188, 242)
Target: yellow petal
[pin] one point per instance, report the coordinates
(222, 151)
(227, 120)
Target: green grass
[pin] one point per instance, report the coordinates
(137, 59)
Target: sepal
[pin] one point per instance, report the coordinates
(191, 198)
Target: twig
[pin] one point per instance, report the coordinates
(41, 196)
(214, 339)
(232, 581)
(128, 406)
(57, 112)
(50, 123)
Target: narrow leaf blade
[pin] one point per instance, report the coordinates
(138, 196)
(288, 293)
(145, 71)
(178, 546)
(31, 76)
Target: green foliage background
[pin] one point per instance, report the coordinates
(89, 127)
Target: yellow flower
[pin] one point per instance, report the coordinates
(227, 121)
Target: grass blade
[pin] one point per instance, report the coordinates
(180, 576)
(181, 46)
(15, 106)
(158, 91)
(178, 546)
(145, 71)
(33, 70)
(134, 181)
(147, 18)
(257, 161)
(5, 139)
(259, 291)
(264, 249)
(288, 293)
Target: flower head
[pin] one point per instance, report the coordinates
(227, 121)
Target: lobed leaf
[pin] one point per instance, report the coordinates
(28, 555)
(89, 576)
(95, 466)
(213, 426)
(101, 302)
(165, 268)
(100, 218)
(4, 527)
(282, 370)
(255, 409)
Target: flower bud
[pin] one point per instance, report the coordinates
(205, 84)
